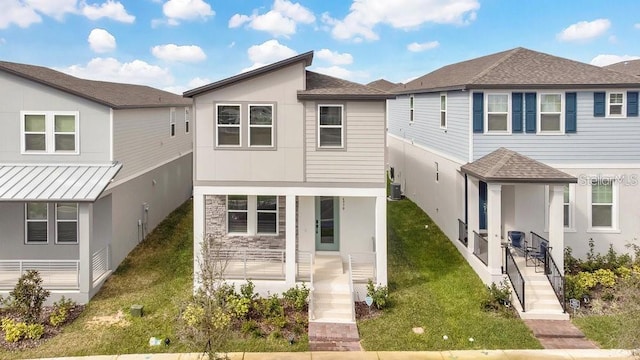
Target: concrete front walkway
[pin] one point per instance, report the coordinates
(389, 355)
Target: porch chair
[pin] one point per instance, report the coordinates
(517, 241)
(538, 256)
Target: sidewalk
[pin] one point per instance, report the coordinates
(387, 355)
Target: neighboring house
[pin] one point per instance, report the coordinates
(631, 67)
(289, 182)
(87, 170)
(521, 140)
(382, 84)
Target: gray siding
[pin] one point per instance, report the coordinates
(17, 94)
(425, 129)
(142, 141)
(363, 156)
(597, 140)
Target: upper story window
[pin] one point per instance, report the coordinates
(237, 211)
(49, 132)
(550, 118)
(443, 111)
(260, 125)
(330, 126)
(227, 125)
(172, 122)
(67, 223)
(411, 100)
(187, 120)
(497, 118)
(616, 104)
(36, 223)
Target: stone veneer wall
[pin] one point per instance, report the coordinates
(216, 226)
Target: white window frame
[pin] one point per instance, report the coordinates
(486, 114)
(437, 172)
(341, 127)
(26, 225)
(411, 107)
(561, 114)
(246, 211)
(276, 211)
(239, 126)
(443, 112)
(57, 221)
(614, 228)
(262, 126)
(172, 122)
(572, 208)
(187, 120)
(50, 132)
(623, 111)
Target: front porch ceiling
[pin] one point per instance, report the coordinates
(504, 165)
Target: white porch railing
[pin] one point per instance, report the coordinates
(55, 274)
(100, 261)
(264, 264)
(362, 267)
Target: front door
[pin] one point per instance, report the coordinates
(327, 230)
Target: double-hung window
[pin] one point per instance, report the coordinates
(67, 223)
(497, 119)
(602, 204)
(568, 204)
(443, 111)
(411, 102)
(237, 211)
(267, 214)
(227, 125)
(36, 223)
(550, 119)
(260, 125)
(49, 132)
(615, 104)
(187, 120)
(172, 122)
(330, 126)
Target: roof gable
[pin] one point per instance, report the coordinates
(382, 84)
(321, 86)
(631, 67)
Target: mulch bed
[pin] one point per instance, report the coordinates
(364, 312)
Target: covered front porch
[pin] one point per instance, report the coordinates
(515, 221)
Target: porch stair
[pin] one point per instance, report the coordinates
(332, 299)
(541, 302)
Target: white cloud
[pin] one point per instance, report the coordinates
(637, 26)
(53, 8)
(198, 81)
(584, 30)
(418, 47)
(101, 41)
(607, 59)
(110, 69)
(342, 73)
(281, 20)
(334, 57)
(18, 13)
(364, 15)
(110, 9)
(184, 53)
(177, 10)
(268, 52)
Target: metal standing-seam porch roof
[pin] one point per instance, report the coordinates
(33, 182)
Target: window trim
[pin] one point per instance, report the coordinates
(172, 122)
(341, 126)
(272, 126)
(486, 114)
(276, 211)
(246, 211)
(59, 220)
(443, 111)
(561, 130)
(411, 108)
(623, 111)
(615, 185)
(187, 120)
(239, 126)
(27, 221)
(49, 133)
(572, 208)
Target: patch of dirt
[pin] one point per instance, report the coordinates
(117, 319)
(364, 312)
(49, 330)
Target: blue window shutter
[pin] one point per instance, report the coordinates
(516, 112)
(478, 112)
(598, 104)
(530, 112)
(570, 113)
(632, 103)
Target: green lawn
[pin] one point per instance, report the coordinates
(432, 286)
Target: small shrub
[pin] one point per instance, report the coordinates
(238, 306)
(34, 331)
(13, 331)
(379, 294)
(586, 280)
(28, 296)
(251, 328)
(61, 311)
(297, 297)
(279, 322)
(193, 315)
(573, 288)
(605, 277)
(271, 307)
(219, 319)
(247, 291)
(571, 264)
(497, 297)
(275, 335)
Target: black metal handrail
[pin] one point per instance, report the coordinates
(515, 276)
(462, 233)
(551, 270)
(481, 248)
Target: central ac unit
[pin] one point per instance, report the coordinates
(396, 193)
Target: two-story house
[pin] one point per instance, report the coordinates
(521, 141)
(87, 170)
(289, 182)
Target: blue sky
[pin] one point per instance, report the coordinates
(177, 45)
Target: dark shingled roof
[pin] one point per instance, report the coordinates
(631, 67)
(504, 165)
(114, 95)
(320, 86)
(382, 84)
(518, 68)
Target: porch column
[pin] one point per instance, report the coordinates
(198, 234)
(290, 240)
(494, 228)
(473, 218)
(556, 224)
(85, 230)
(381, 239)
